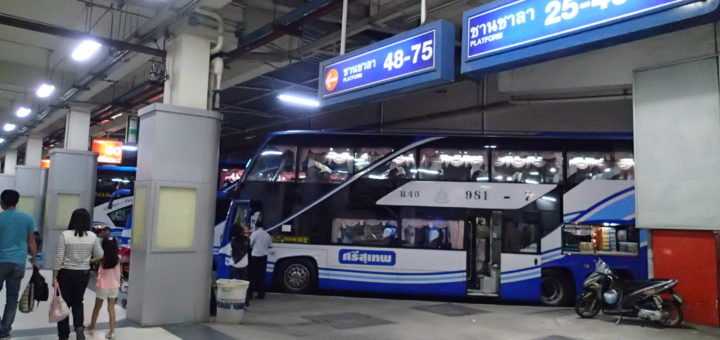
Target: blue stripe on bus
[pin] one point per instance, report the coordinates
(603, 201)
(519, 270)
(517, 276)
(405, 279)
(622, 207)
(384, 273)
(445, 288)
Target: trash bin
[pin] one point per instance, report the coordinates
(231, 300)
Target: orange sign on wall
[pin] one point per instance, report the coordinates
(45, 163)
(109, 151)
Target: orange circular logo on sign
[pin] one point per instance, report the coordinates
(331, 79)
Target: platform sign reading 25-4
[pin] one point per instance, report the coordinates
(519, 23)
(386, 63)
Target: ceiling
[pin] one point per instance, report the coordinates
(287, 61)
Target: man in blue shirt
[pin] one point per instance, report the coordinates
(16, 239)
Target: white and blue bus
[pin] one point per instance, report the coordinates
(512, 217)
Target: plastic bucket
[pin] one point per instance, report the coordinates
(231, 300)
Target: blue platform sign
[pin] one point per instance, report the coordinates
(412, 60)
(510, 33)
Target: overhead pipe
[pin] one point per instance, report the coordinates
(79, 35)
(272, 31)
(220, 28)
(423, 11)
(343, 27)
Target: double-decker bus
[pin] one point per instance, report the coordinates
(512, 217)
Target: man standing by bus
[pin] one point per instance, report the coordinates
(260, 243)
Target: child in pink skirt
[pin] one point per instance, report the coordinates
(108, 284)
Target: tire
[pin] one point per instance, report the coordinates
(297, 276)
(672, 314)
(557, 288)
(588, 305)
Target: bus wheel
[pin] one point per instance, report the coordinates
(556, 288)
(298, 276)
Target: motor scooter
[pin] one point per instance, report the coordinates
(603, 289)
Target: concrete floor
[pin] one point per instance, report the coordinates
(281, 316)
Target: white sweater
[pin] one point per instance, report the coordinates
(74, 252)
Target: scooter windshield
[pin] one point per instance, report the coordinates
(602, 267)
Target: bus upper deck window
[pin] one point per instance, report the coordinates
(400, 167)
(460, 165)
(325, 165)
(366, 156)
(274, 164)
(600, 166)
(531, 167)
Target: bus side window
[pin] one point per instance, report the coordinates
(531, 167)
(274, 164)
(600, 166)
(458, 165)
(401, 167)
(325, 165)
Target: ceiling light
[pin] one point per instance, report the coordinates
(23, 112)
(129, 147)
(116, 116)
(9, 127)
(300, 100)
(2, 140)
(45, 90)
(85, 50)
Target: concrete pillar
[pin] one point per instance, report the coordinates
(70, 180)
(188, 66)
(10, 162)
(676, 129)
(33, 151)
(77, 127)
(30, 181)
(175, 195)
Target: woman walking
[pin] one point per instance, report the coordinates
(72, 269)
(108, 284)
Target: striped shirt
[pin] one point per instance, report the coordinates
(74, 252)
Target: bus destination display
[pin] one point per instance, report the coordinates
(390, 62)
(514, 24)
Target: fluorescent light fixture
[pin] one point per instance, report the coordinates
(482, 179)
(271, 153)
(9, 127)
(116, 116)
(23, 112)
(300, 100)
(548, 198)
(530, 181)
(45, 90)
(85, 50)
(129, 147)
(380, 177)
(2, 140)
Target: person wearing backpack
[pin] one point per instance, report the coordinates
(16, 239)
(107, 286)
(71, 270)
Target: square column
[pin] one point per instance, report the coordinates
(30, 183)
(173, 215)
(33, 151)
(70, 185)
(188, 64)
(10, 162)
(77, 127)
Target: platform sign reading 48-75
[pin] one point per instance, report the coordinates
(524, 22)
(418, 57)
(400, 59)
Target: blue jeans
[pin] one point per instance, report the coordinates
(10, 275)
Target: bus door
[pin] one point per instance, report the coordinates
(484, 253)
(520, 259)
(239, 214)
